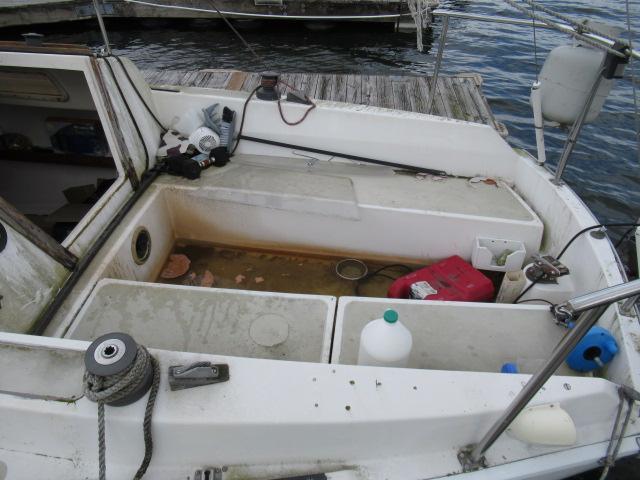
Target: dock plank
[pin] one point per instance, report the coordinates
(459, 97)
(401, 97)
(323, 89)
(354, 89)
(340, 88)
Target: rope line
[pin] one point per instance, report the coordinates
(420, 13)
(113, 388)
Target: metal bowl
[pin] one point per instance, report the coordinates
(351, 269)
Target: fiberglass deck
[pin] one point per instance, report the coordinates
(455, 208)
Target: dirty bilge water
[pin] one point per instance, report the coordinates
(221, 266)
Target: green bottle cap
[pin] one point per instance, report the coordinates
(390, 316)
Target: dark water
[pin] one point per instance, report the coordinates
(604, 168)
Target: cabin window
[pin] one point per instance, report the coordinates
(55, 162)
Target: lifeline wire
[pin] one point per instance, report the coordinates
(281, 17)
(578, 25)
(556, 26)
(535, 43)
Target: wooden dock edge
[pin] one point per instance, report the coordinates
(458, 97)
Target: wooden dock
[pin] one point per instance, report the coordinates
(459, 97)
(26, 12)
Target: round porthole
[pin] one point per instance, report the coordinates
(3, 237)
(141, 245)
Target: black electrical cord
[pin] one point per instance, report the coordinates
(378, 273)
(536, 300)
(348, 156)
(147, 159)
(135, 89)
(593, 227)
(531, 285)
(568, 244)
(244, 112)
(624, 235)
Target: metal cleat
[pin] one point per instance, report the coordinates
(545, 269)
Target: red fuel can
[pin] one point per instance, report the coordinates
(451, 279)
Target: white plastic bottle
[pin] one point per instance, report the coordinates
(385, 342)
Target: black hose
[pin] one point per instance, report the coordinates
(244, 112)
(378, 273)
(593, 227)
(348, 156)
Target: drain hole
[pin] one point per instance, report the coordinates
(592, 353)
(141, 246)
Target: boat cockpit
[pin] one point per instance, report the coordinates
(271, 266)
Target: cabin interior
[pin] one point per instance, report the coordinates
(55, 162)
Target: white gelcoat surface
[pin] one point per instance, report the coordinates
(211, 320)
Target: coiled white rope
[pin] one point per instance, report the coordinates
(112, 388)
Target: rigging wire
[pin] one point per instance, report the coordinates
(535, 43)
(237, 33)
(580, 26)
(633, 81)
(558, 27)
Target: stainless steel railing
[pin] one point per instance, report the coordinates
(590, 307)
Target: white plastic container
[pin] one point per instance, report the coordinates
(511, 286)
(567, 77)
(487, 253)
(385, 342)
